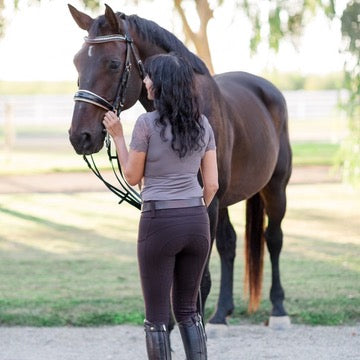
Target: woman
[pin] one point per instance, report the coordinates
(168, 147)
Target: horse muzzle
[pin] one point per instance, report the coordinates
(84, 143)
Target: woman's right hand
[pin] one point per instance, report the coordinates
(113, 125)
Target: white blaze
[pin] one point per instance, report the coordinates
(90, 50)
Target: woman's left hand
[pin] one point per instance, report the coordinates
(113, 125)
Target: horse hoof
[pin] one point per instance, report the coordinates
(214, 331)
(219, 318)
(279, 322)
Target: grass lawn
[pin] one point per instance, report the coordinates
(70, 259)
(312, 153)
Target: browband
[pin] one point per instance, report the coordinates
(105, 38)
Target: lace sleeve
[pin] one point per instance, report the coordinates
(140, 138)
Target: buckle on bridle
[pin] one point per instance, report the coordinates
(128, 38)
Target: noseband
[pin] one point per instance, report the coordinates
(125, 192)
(118, 104)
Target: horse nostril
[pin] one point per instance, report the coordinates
(86, 139)
(86, 136)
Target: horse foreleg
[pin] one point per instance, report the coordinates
(226, 245)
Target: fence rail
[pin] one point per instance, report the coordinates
(313, 116)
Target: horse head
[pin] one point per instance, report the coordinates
(106, 78)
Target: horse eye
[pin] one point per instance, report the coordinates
(114, 64)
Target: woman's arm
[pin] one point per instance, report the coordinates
(209, 173)
(132, 162)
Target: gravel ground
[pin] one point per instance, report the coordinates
(248, 342)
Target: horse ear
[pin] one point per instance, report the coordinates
(112, 19)
(84, 21)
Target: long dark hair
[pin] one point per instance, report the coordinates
(176, 101)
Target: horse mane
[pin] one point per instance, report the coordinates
(152, 32)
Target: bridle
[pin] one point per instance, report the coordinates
(118, 104)
(125, 192)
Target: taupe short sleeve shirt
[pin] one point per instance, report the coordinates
(167, 176)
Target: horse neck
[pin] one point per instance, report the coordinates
(147, 50)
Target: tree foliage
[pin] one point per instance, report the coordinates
(90, 4)
(286, 19)
(350, 150)
(350, 28)
(282, 19)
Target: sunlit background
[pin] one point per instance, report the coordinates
(38, 78)
(41, 40)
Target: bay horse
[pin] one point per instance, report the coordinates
(249, 118)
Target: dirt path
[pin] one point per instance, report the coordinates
(250, 342)
(85, 181)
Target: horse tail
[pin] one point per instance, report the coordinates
(254, 250)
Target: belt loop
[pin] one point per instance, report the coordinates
(152, 203)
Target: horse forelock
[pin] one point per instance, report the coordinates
(150, 31)
(100, 26)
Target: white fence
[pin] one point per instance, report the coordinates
(313, 116)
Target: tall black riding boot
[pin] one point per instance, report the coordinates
(194, 338)
(157, 341)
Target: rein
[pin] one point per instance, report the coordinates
(125, 192)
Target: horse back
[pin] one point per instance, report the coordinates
(239, 83)
(250, 129)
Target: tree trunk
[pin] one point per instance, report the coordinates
(199, 38)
